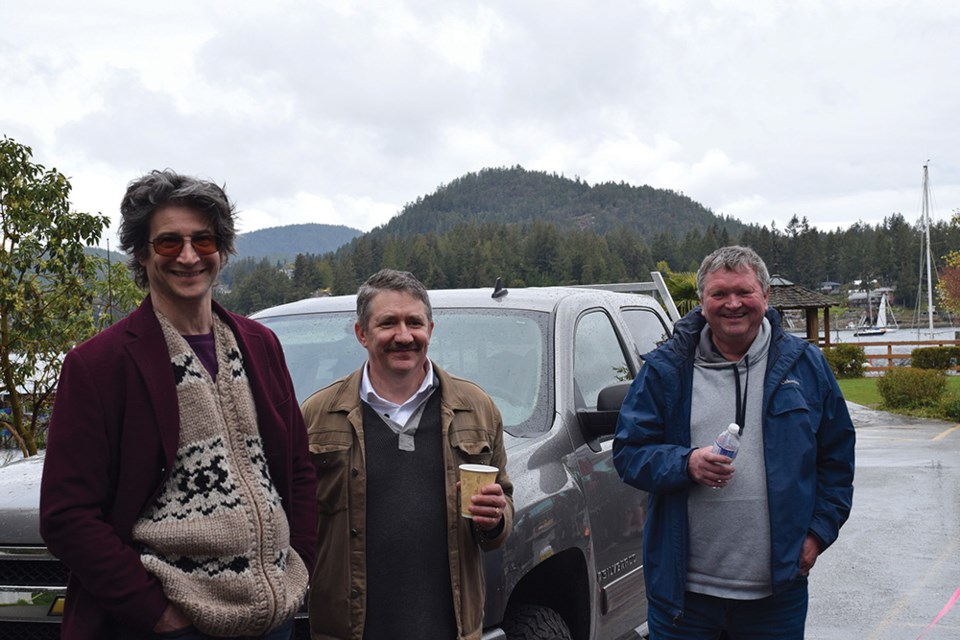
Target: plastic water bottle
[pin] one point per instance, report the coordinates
(728, 442)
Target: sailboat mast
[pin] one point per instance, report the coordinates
(926, 230)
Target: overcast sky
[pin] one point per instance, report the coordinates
(341, 111)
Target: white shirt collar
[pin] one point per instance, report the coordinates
(399, 413)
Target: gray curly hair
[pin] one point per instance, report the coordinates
(159, 189)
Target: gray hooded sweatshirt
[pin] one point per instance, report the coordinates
(728, 552)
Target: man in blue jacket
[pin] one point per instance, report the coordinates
(727, 547)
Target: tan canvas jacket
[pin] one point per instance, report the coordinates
(472, 432)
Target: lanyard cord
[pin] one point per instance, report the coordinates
(741, 407)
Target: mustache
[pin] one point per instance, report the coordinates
(400, 348)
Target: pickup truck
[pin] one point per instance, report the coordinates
(557, 361)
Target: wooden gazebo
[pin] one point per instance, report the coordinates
(785, 295)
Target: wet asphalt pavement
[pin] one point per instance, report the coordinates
(896, 564)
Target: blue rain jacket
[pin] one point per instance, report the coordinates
(808, 441)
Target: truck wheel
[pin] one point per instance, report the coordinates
(530, 622)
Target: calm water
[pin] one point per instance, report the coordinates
(897, 335)
(878, 345)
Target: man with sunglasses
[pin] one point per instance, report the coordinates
(177, 486)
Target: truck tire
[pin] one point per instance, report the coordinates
(531, 622)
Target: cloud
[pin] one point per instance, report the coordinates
(342, 112)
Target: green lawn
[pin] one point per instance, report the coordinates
(864, 391)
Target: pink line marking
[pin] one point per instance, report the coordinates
(952, 601)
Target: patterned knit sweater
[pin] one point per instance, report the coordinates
(217, 536)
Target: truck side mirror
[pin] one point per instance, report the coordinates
(602, 421)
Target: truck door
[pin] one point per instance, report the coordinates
(616, 510)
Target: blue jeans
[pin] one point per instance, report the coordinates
(779, 617)
(283, 632)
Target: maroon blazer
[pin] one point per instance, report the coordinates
(110, 448)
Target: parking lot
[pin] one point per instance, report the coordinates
(896, 565)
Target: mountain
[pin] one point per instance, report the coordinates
(277, 243)
(518, 196)
(112, 255)
(284, 243)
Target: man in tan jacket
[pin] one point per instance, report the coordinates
(395, 560)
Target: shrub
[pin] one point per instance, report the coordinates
(950, 407)
(908, 388)
(846, 360)
(938, 358)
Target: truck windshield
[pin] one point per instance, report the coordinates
(504, 351)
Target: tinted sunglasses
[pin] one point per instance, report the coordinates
(171, 245)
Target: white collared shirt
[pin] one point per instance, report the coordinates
(398, 413)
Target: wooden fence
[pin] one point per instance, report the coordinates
(896, 351)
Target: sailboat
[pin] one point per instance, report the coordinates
(880, 327)
(925, 260)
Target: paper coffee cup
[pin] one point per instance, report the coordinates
(472, 477)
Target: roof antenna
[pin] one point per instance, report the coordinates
(498, 290)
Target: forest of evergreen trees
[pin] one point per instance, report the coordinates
(539, 254)
(537, 229)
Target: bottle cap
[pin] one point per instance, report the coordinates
(733, 427)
